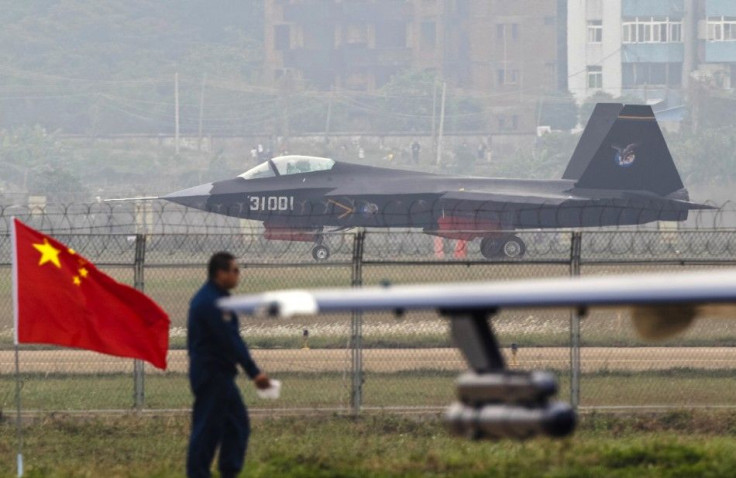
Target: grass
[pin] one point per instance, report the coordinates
(421, 388)
(678, 444)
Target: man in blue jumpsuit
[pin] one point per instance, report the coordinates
(219, 417)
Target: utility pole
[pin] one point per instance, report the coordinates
(442, 123)
(434, 114)
(329, 113)
(176, 111)
(201, 113)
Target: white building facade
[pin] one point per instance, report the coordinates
(634, 48)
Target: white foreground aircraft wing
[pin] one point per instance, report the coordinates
(495, 402)
(662, 303)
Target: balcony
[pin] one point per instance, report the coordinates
(720, 52)
(652, 53)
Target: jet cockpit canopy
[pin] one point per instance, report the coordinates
(291, 164)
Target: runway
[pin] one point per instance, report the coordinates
(592, 359)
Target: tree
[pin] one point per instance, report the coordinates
(558, 110)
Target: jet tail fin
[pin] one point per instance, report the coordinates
(622, 148)
(600, 122)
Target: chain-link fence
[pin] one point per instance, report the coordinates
(353, 362)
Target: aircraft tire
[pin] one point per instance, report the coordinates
(513, 248)
(490, 247)
(320, 253)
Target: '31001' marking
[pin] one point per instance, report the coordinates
(271, 203)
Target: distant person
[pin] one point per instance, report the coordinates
(415, 148)
(219, 416)
(481, 154)
(262, 153)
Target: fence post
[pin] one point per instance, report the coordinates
(575, 326)
(356, 327)
(138, 365)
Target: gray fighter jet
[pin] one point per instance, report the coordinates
(621, 173)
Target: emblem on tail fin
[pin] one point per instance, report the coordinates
(625, 157)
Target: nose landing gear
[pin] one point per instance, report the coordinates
(320, 253)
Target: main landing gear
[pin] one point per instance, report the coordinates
(506, 246)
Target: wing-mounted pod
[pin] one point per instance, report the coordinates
(494, 402)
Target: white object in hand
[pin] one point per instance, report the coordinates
(271, 392)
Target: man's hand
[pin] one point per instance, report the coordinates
(262, 381)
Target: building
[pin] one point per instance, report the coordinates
(716, 46)
(506, 53)
(649, 49)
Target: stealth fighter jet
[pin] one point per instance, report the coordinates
(621, 173)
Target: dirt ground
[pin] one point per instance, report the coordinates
(391, 360)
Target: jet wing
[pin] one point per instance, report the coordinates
(139, 198)
(662, 304)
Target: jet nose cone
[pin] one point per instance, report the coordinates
(196, 196)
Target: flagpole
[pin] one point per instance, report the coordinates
(19, 428)
(17, 417)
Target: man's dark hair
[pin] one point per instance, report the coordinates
(220, 261)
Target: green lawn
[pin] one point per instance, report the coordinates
(422, 388)
(678, 444)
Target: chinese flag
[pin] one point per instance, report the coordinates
(61, 298)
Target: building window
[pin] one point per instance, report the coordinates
(595, 77)
(356, 34)
(652, 30)
(281, 37)
(428, 36)
(595, 31)
(722, 29)
(503, 28)
(508, 76)
(675, 32)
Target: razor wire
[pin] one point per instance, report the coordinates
(163, 217)
(180, 230)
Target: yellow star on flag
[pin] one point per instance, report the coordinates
(83, 272)
(48, 253)
(77, 280)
